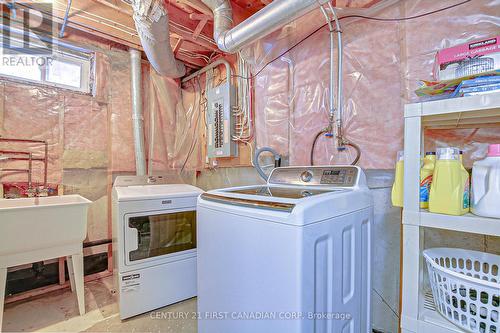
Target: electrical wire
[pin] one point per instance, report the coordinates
(195, 141)
(251, 77)
(242, 113)
(381, 19)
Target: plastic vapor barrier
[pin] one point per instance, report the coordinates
(383, 63)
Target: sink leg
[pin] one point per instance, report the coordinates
(77, 261)
(3, 282)
(71, 273)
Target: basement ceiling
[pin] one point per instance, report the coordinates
(190, 23)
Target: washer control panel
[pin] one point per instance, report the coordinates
(341, 176)
(146, 180)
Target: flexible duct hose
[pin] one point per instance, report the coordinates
(277, 160)
(152, 25)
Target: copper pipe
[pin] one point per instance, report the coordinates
(13, 152)
(38, 159)
(97, 242)
(45, 159)
(21, 140)
(15, 170)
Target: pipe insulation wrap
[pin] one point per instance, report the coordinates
(151, 21)
(267, 20)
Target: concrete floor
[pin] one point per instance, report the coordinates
(58, 312)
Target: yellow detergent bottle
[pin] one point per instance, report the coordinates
(426, 173)
(398, 186)
(469, 181)
(450, 184)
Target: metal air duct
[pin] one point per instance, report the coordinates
(271, 18)
(137, 117)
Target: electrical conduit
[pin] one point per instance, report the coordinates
(205, 69)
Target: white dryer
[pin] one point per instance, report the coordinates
(290, 256)
(154, 242)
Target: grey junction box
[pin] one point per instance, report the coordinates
(220, 121)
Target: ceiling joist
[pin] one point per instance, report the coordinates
(196, 4)
(191, 25)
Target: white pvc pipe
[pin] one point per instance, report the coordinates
(137, 116)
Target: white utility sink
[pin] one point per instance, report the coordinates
(36, 229)
(29, 224)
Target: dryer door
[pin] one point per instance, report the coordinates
(156, 235)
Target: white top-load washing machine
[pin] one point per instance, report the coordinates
(154, 242)
(286, 257)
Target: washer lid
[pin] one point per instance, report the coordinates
(145, 192)
(321, 204)
(280, 192)
(277, 198)
(296, 195)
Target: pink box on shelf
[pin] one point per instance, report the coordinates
(468, 59)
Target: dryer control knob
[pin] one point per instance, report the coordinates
(306, 176)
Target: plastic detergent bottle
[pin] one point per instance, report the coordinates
(485, 198)
(450, 184)
(426, 173)
(398, 186)
(464, 169)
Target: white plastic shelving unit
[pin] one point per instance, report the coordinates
(418, 314)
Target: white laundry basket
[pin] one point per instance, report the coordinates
(466, 289)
